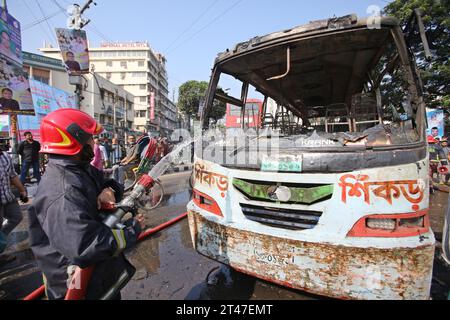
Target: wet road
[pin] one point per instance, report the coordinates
(169, 268)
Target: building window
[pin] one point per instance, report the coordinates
(123, 64)
(109, 63)
(41, 75)
(143, 99)
(141, 63)
(123, 75)
(108, 75)
(143, 86)
(140, 114)
(138, 74)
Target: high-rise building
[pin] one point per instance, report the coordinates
(141, 71)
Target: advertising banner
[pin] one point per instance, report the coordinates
(436, 125)
(74, 50)
(46, 99)
(4, 125)
(152, 106)
(15, 94)
(10, 37)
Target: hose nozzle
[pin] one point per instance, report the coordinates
(146, 181)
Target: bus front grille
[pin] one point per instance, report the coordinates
(282, 218)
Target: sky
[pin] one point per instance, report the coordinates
(189, 33)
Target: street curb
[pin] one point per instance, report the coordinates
(183, 168)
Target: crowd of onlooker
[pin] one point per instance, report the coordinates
(107, 154)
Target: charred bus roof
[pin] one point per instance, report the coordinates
(314, 28)
(326, 60)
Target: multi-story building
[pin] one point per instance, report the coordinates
(47, 70)
(110, 104)
(137, 68)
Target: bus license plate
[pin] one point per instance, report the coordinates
(282, 164)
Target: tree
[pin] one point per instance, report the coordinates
(435, 73)
(191, 93)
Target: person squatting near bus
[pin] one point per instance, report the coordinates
(29, 152)
(10, 212)
(66, 230)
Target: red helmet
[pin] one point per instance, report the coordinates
(431, 140)
(66, 131)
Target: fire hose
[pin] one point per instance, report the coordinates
(112, 220)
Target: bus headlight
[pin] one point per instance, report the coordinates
(384, 224)
(392, 225)
(206, 203)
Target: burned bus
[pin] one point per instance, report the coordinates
(337, 205)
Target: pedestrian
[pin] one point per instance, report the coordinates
(445, 147)
(116, 154)
(131, 159)
(97, 162)
(159, 149)
(446, 151)
(66, 229)
(105, 153)
(29, 152)
(10, 212)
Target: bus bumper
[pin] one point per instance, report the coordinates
(325, 269)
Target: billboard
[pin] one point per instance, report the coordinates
(45, 99)
(436, 124)
(74, 50)
(152, 106)
(4, 125)
(10, 38)
(15, 94)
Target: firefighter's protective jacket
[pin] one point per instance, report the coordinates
(66, 229)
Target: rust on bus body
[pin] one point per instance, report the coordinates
(319, 268)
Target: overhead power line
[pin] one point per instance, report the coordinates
(46, 20)
(39, 21)
(206, 26)
(191, 25)
(34, 16)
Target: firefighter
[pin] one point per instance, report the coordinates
(66, 230)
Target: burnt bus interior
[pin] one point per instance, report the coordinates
(354, 86)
